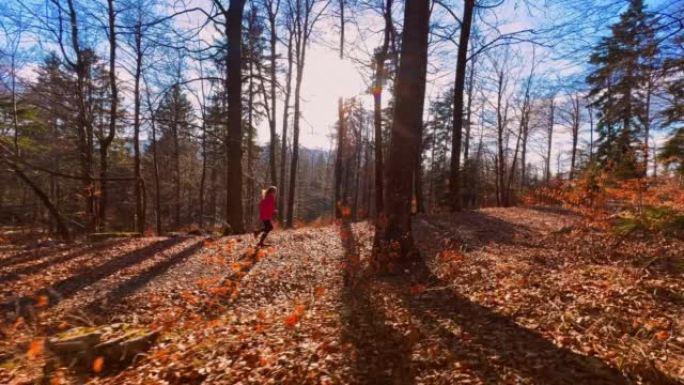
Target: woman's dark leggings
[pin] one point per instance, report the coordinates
(268, 226)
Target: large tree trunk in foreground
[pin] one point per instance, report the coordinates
(393, 237)
(455, 174)
(234, 213)
(380, 58)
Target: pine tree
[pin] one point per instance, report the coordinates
(623, 63)
(673, 150)
(439, 137)
(174, 118)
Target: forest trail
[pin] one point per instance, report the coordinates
(502, 296)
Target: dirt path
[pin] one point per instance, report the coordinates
(500, 297)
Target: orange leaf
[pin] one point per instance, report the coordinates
(292, 320)
(236, 266)
(662, 335)
(43, 301)
(261, 254)
(98, 364)
(35, 349)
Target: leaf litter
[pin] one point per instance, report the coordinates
(510, 296)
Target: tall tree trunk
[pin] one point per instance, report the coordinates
(286, 110)
(234, 213)
(340, 200)
(405, 141)
(647, 122)
(84, 129)
(176, 172)
(454, 175)
(468, 121)
(139, 211)
(511, 176)
(113, 112)
(212, 193)
(203, 176)
(552, 108)
(203, 144)
(380, 58)
(155, 164)
(295, 134)
(500, 127)
(250, 137)
(575, 132)
(272, 13)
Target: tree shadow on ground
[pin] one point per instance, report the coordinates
(494, 344)
(382, 355)
(106, 305)
(34, 253)
(475, 229)
(88, 276)
(17, 273)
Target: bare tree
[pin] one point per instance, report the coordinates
(303, 16)
(286, 119)
(272, 7)
(459, 86)
(549, 136)
(571, 116)
(405, 141)
(233, 31)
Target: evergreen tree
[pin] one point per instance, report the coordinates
(623, 63)
(439, 137)
(174, 118)
(673, 150)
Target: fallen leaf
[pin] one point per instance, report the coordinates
(35, 349)
(98, 364)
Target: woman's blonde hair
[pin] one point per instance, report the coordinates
(268, 190)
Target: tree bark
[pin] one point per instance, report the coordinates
(106, 141)
(295, 133)
(339, 159)
(139, 211)
(380, 58)
(405, 141)
(286, 110)
(455, 174)
(84, 129)
(552, 107)
(272, 13)
(234, 213)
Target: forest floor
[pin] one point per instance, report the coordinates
(501, 296)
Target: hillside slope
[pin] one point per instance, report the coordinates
(510, 296)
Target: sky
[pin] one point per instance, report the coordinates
(327, 77)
